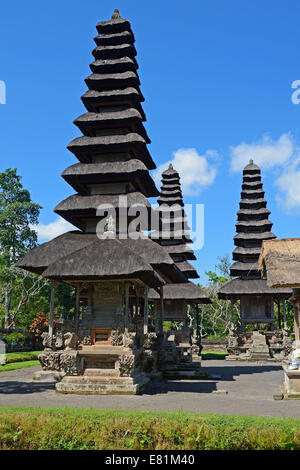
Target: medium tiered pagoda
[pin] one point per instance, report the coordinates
(173, 235)
(108, 348)
(256, 298)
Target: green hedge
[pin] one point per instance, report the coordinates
(55, 429)
(21, 356)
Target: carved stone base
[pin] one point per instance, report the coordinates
(274, 346)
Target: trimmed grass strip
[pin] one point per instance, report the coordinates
(87, 429)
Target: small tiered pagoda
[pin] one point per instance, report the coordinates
(173, 235)
(108, 261)
(256, 298)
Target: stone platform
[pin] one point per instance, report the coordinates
(102, 383)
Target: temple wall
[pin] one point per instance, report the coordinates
(256, 308)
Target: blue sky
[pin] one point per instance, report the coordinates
(216, 76)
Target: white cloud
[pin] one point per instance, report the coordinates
(53, 229)
(196, 172)
(289, 186)
(266, 153)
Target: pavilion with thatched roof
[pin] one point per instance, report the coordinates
(279, 263)
(108, 261)
(246, 286)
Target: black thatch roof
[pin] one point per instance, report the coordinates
(113, 26)
(89, 123)
(38, 259)
(125, 37)
(98, 81)
(187, 291)
(85, 147)
(181, 249)
(187, 269)
(235, 288)
(124, 64)
(80, 174)
(103, 260)
(114, 52)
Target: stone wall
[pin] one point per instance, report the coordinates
(214, 344)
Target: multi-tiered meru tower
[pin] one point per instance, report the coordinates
(173, 235)
(109, 348)
(253, 226)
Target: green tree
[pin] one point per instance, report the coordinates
(17, 215)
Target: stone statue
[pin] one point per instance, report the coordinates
(116, 15)
(71, 341)
(126, 365)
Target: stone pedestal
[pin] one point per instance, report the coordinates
(291, 386)
(245, 345)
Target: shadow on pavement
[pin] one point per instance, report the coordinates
(16, 388)
(229, 372)
(195, 386)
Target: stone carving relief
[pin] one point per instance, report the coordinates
(126, 365)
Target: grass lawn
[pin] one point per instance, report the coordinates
(81, 429)
(214, 354)
(18, 365)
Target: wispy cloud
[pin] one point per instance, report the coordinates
(282, 154)
(53, 229)
(197, 172)
(267, 153)
(289, 186)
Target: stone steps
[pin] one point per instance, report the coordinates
(96, 385)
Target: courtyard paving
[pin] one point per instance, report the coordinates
(250, 388)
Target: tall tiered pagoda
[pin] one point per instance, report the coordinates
(173, 235)
(256, 298)
(108, 348)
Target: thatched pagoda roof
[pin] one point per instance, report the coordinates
(187, 269)
(280, 262)
(113, 65)
(44, 255)
(235, 288)
(80, 174)
(103, 260)
(85, 147)
(187, 291)
(125, 37)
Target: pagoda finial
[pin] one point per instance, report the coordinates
(250, 161)
(116, 14)
(170, 167)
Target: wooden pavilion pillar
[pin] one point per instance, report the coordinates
(231, 311)
(279, 314)
(284, 314)
(77, 309)
(126, 319)
(146, 322)
(296, 305)
(161, 311)
(51, 312)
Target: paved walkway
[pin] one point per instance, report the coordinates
(250, 391)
